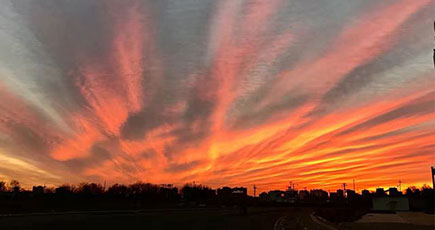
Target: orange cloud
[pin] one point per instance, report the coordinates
(79, 145)
(113, 91)
(237, 122)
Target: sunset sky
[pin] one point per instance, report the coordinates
(220, 92)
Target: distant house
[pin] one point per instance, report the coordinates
(230, 195)
(333, 195)
(232, 192)
(366, 193)
(277, 196)
(390, 204)
(350, 193)
(303, 194)
(394, 192)
(241, 191)
(380, 192)
(291, 193)
(340, 193)
(264, 196)
(319, 193)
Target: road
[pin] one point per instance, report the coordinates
(183, 218)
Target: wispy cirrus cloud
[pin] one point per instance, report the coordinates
(219, 92)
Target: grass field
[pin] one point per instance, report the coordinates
(205, 218)
(191, 218)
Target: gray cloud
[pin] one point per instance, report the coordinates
(182, 167)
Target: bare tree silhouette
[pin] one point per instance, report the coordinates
(15, 185)
(3, 186)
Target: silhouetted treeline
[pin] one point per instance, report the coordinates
(143, 191)
(423, 198)
(94, 196)
(86, 196)
(199, 193)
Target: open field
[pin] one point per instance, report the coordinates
(384, 226)
(194, 218)
(209, 218)
(396, 221)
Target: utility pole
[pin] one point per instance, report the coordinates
(255, 190)
(433, 167)
(344, 189)
(400, 185)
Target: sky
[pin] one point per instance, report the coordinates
(217, 92)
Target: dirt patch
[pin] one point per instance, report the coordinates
(418, 218)
(381, 218)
